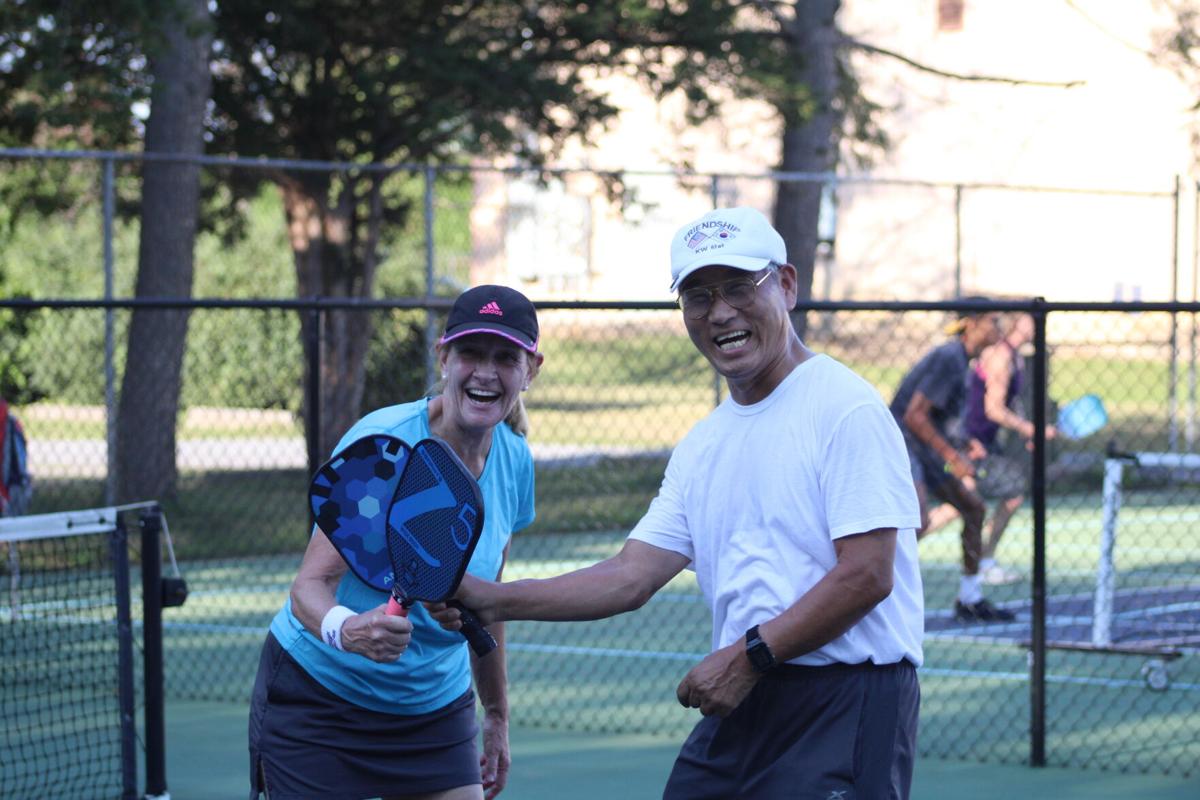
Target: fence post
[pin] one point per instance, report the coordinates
(1037, 645)
(1190, 420)
(1173, 374)
(958, 195)
(714, 194)
(314, 388)
(110, 373)
(430, 278)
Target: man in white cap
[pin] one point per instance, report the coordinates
(793, 503)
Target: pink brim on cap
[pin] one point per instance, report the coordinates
(495, 332)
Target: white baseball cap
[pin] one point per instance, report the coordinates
(728, 237)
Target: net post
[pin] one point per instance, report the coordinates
(150, 521)
(1102, 603)
(1037, 651)
(119, 544)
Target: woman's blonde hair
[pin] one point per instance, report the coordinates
(518, 417)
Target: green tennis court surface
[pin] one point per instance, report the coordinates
(617, 676)
(207, 760)
(593, 704)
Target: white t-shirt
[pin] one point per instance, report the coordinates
(756, 495)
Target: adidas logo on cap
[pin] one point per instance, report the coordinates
(493, 309)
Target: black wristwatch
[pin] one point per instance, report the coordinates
(761, 657)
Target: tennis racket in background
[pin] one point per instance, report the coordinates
(433, 524)
(350, 497)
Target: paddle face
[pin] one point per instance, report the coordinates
(349, 497)
(1082, 417)
(433, 524)
(998, 477)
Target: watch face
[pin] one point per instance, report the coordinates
(760, 656)
(756, 656)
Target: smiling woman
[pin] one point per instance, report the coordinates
(352, 702)
(489, 355)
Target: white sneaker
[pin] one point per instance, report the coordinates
(1000, 575)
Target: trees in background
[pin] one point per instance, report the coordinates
(791, 55)
(1178, 47)
(385, 83)
(73, 74)
(178, 48)
(380, 82)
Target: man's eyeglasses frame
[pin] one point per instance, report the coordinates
(698, 310)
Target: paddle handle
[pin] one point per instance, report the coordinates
(481, 641)
(396, 608)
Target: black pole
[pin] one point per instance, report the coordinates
(1173, 379)
(1037, 664)
(152, 653)
(314, 389)
(118, 542)
(958, 238)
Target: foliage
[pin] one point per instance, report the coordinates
(396, 361)
(71, 71)
(15, 356)
(71, 75)
(626, 358)
(1177, 47)
(414, 81)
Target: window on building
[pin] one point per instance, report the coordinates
(950, 14)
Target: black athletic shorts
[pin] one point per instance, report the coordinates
(307, 742)
(929, 470)
(845, 731)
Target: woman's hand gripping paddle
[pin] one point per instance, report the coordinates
(433, 524)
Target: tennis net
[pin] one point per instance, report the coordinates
(67, 667)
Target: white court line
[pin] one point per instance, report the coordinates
(652, 655)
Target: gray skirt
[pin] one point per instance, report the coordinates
(306, 742)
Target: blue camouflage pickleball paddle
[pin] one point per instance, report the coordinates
(353, 494)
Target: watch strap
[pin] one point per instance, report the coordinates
(760, 655)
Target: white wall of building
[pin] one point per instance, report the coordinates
(1123, 127)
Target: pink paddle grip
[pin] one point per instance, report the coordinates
(395, 609)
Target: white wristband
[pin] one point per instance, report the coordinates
(331, 626)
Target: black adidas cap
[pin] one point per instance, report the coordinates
(494, 309)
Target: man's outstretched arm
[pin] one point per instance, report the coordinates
(610, 587)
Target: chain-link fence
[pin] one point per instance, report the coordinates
(1117, 685)
(571, 234)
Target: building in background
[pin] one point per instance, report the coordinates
(1061, 184)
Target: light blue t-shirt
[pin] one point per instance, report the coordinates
(435, 669)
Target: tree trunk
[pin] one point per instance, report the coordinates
(328, 266)
(150, 388)
(809, 139)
